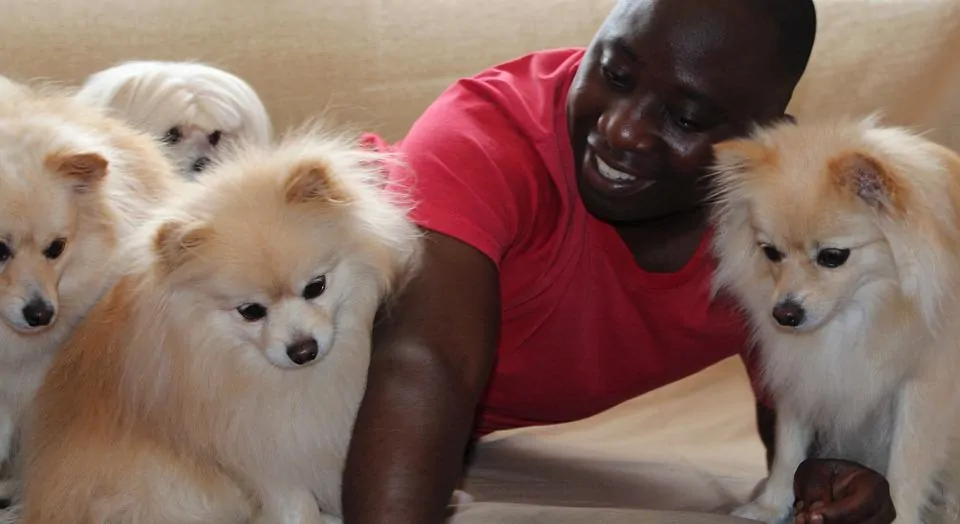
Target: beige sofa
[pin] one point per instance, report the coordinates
(379, 63)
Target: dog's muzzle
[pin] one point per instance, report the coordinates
(200, 164)
(789, 313)
(38, 312)
(303, 351)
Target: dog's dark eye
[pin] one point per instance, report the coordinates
(832, 257)
(771, 253)
(55, 249)
(5, 252)
(172, 136)
(214, 138)
(252, 312)
(315, 288)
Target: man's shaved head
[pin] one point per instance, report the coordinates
(664, 80)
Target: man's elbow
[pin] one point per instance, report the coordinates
(416, 366)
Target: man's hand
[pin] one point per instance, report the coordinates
(840, 492)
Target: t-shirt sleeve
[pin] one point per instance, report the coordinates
(469, 170)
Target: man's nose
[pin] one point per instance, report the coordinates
(630, 126)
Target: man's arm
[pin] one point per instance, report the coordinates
(766, 426)
(766, 415)
(431, 360)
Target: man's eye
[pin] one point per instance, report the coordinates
(687, 123)
(617, 80)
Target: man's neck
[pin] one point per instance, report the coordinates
(666, 244)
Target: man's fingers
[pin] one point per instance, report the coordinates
(885, 516)
(813, 482)
(840, 492)
(849, 510)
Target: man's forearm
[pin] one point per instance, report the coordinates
(406, 455)
(766, 426)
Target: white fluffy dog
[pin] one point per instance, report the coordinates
(197, 110)
(76, 185)
(217, 382)
(842, 241)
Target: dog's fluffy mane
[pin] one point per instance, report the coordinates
(149, 91)
(914, 201)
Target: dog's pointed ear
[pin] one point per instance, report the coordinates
(740, 155)
(312, 182)
(868, 178)
(175, 241)
(84, 169)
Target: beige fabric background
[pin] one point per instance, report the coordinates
(379, 63)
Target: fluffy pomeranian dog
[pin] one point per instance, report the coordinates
(841, 239)
(75, 184)
(198, 111)
(219, 379)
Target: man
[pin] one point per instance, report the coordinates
(566, 265)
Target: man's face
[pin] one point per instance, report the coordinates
(662, 82)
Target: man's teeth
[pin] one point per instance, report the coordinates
(613, 174)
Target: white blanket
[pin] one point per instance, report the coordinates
(690, 446)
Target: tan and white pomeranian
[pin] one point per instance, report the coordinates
(219, 379)
(198, 111)
(841, 239)
(73, 185)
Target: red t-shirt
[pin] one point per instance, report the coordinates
(583, 327)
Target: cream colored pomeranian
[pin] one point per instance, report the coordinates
(73, 185)
(842, 241)
(198, 111)
(219, 379)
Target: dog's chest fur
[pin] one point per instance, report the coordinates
(291, 428)
(844, 381)
(23, 363)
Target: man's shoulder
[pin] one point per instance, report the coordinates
(536, 63)
(486, 153)
(529, 87)
(503, 113)
(531, 76)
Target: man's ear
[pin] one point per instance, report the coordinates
(176, 241)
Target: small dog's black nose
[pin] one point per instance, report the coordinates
(38, 312)
(303, 351)
(788, 313)
(200, 164)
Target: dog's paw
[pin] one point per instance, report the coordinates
(326, 518)
(8, 493)
(460, 498)
(10, 514)
(762, 513)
